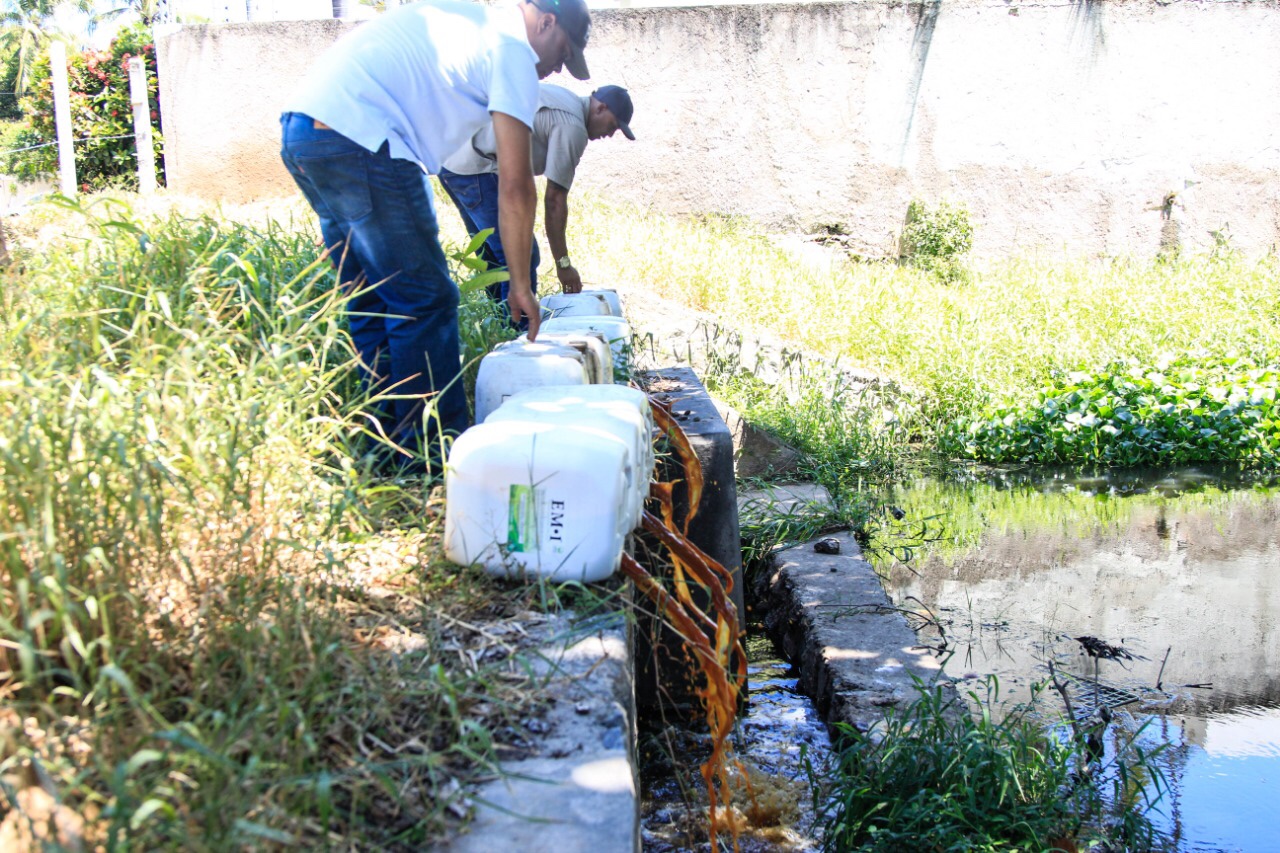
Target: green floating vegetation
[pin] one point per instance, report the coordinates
(1196, 408)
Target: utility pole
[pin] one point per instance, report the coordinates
(62, 117)
(142, 125)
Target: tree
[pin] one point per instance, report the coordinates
(101, 113)
(8, 84)
(147, 12)
(27, 26)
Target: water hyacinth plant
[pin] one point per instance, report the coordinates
(1195, 408)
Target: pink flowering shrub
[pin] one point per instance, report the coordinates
(101, 115)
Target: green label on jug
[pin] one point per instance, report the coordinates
(522, 519)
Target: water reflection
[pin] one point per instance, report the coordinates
(1181, 568)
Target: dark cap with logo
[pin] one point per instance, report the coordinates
(572, 17)
(619, 103)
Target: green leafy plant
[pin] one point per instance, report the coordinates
(101, 115)
(1194, 408)
(849, 427)
(936, 239)
(940, 776)
(482, 322)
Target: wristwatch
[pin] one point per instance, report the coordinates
(563, 263)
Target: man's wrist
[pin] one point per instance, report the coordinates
(563, 262)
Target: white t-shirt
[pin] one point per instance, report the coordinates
(425, 78)
(559, 138)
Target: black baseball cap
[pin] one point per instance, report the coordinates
(572, 17)
(619, 103)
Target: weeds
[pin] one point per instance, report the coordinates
(936, 239)
(188, 538)
(937, 776)
(844, 423)
(950, 355)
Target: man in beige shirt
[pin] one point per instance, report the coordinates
(562, 127)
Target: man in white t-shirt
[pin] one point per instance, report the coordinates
(387, 102)
(565, 123)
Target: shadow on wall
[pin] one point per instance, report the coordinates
(926, 23)
(1088, 29)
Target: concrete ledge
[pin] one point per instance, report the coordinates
(580, 790)
(783, 499)
(663, 670)
(715, 528)
(855, 654)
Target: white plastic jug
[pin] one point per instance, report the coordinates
(584, 304)
(591, 344)
(615, 329)
(615, 408)
(537, 498)
(517, 365)
(611, 297)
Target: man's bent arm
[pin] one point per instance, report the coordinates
(517, 202)
(556, 213)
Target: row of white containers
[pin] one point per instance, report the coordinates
(555, 473)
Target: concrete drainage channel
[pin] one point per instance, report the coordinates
(578, 788)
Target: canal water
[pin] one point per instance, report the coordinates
(1180, 570)
(778, 739)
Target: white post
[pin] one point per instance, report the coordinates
(62, 117)
(142, 125)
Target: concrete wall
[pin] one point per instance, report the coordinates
(1062, 125)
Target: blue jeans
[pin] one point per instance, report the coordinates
(476, 197)
(379, 224)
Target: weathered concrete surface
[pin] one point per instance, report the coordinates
(1061, 125)
(756, 453)
(223, 87)
(663, 670)
(856, 655)
(580, 791)
(715, 527)
(777, 499)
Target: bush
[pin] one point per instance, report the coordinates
(101, 116)
(9, 110)
(1193, 409)
(10, 134)
(17, 143)
(937, 239)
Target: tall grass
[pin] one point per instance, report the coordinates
(955, 348)
(186, 652)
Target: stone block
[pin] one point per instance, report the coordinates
(853, 650)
